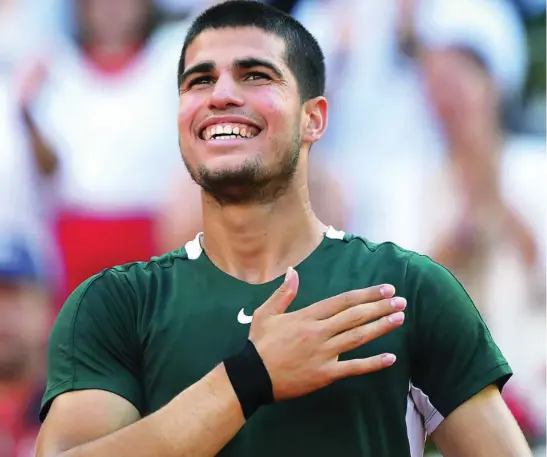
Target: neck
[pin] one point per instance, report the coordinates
(256, 243)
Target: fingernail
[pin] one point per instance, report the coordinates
(388, 359)
(290, 272)
(396, 318)
(387, 290)
(398, 303)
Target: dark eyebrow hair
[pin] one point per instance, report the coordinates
(252, 62)
(245, 63)
(202, 67)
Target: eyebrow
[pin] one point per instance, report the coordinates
(203, 67)
(252, 62)
(245, 63)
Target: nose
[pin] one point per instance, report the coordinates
(225, 94)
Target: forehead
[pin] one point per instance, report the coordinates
(223, 46)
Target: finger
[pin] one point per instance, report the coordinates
(283, 296)
(359, 315)
(358, 336)
(333, 305)
(356, 367)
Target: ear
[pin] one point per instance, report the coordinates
(315, 119)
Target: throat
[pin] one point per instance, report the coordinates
(260, 256)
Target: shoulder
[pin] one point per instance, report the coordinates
(418, 270)
(128, 284)
(387, 253)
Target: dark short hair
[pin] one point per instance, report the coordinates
(303, 55)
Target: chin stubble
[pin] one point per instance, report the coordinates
(252, 182)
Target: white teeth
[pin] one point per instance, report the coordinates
(227, 131)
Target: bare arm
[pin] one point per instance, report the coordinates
(45, 159)
(481, 427)
(198, 422)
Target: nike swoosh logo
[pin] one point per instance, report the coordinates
(242, 318)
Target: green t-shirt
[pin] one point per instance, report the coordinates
(147, 331)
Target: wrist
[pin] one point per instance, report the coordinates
(250, 379)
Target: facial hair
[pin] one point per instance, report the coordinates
(252, 182)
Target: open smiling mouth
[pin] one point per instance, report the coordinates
(229, 131)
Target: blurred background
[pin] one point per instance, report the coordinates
(436, 141)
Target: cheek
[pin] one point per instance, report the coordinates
(188, 109)
(279, 115)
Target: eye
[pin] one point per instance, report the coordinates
(199, 81)
(256, 76)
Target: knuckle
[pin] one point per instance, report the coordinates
(352, 298)
(381, 308)
(347, 299)
(312, 332)
(354, 316)
(359, 336)
(283, 289)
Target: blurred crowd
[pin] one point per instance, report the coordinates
(436, 141)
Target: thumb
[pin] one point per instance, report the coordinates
(284, 295)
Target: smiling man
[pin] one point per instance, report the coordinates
(220, 347)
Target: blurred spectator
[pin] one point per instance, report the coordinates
(482, 210)
(21, 208)
(106, 107)
(483, 207)
(380, 114)
(24, 324)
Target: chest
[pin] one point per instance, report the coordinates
(192, 330)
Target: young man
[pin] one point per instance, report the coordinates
(158, 358)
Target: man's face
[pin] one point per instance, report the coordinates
(240, 115)
(114, 22)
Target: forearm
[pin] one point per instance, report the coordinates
(46, 160)
(199, 422)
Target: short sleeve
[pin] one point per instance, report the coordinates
(94, 343)
(453, 354)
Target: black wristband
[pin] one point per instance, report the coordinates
(250, 379)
